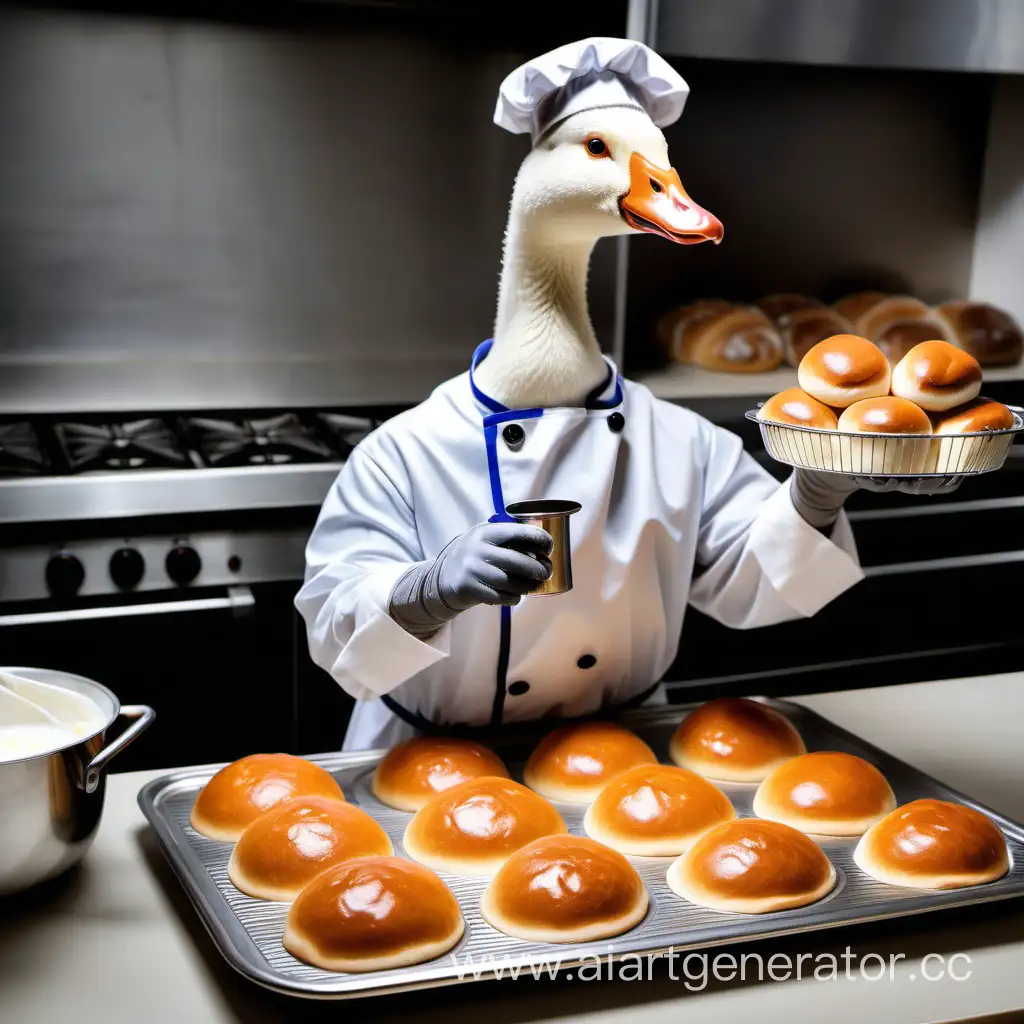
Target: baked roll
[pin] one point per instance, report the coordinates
(243, 790)
(675, 329)
(804, 328)
(740, 340)
(752, 867)
(825, 793)
(844, 369)
(933, 844)
(474, 827)
(989, 334)
(573, 763)
(282, 851)
(957, 453)
(734, 740)
(565, 889)
(852, 307)
(798, 409)
(410, 773)
(899, 322)
(778, 308)
(656, 810)
(373, 914)
(937, 376)
(874, 455)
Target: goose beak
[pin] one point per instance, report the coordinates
(658, 204)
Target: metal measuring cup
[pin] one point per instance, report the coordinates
(552, 516)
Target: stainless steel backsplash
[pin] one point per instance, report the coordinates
(198, 214)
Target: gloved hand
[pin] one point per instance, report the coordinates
(491, 563)
(819, 497)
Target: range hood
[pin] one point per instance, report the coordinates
(938, 35)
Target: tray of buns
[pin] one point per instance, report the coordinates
(856, 414)
(605, 879)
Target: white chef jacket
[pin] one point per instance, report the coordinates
(664, 494)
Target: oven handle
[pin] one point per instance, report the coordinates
(238, 600)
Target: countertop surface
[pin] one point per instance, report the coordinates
(117, 941)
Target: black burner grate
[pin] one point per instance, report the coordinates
(276, 440)
(140, 444)
(21, 452)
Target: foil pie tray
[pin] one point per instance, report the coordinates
(248, 931)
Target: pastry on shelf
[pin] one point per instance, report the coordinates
(988, 333)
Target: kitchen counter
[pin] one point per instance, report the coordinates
(117, 941)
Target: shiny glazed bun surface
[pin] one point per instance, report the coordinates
(474, 827)
(805, 328)
(286, 848)
(372, 914)
(933, 844)
(844, 369)
(825, 793)
(565, 889)
(752, 867)
(656, 811)
(889, 415)
(412, 772)
(572, 763)
(973, 417)
(797, 408)
(734, 740)
(937, 376)
(243, 790)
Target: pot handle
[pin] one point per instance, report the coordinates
(143, 716)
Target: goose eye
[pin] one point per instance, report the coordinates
(596, 146)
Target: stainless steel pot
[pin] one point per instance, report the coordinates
(50, 804)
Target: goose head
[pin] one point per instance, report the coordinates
(606, 172)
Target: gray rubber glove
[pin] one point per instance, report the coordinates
(819, 497)
(492, 563)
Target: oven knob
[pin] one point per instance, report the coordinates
(64, 575)
(183, 564)
(127, 567)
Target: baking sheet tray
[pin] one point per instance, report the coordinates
(248, 931)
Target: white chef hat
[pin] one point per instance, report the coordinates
(585, 75)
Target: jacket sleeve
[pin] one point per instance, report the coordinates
(364, 540)
(762, 562)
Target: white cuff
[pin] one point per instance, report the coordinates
(380, 654)
(806, 568)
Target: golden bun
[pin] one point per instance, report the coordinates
(988, 333)
(565, 889)
(282, 851)
(243, 790)
(572, 763)
(751, 866)
(797, 408)
(933, 844)
(733, 739)
(937, 376)
(803, 329)
(844, 369)
(411, 773)
(474, 827)
(781, 306)
(825, 793)
(372, 914)
(867, 454)
(739, 340)
(656, 810)
(974, 417)
(889, 415)
(852, 307)
(675, 329)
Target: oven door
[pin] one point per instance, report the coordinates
(217, 666)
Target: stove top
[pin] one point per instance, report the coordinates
(139, 444)
(272, 441)
(21, 451)
(96, 467)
